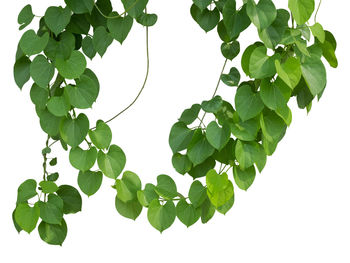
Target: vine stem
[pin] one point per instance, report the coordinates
(143, 85)
(113, 17)
(318, 8)
(216, 88)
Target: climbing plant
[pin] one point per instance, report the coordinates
(228, 149)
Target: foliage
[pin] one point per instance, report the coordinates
(229, 148)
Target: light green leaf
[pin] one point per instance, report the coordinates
(328, 49)
(83, 94)
(73, 67)
(27, 217)
(130, 209)
(89, 182)
(166, 187)
(262, 14)
(271, 95)
(53, 234)
(248, 153)
(187, 213)
(71, 199)
(48, 187)
(113, 162)
(197, 194)
(160, 216)
(315, 75)
(80, 6)
(101, 137)
(218, 136)
(301, 10)
(261, 65)
(119, 27)
(147, 195)
(180, 136)
(57, 18)
(289, 71)
(248, 104)
(74, 131)
(26, 191)
(21, 71)
(128, 186)
(318, 31)
(245, 61)
(244, 178)
(245, 130)
(219, 188)
(31, 44)
(81, 159)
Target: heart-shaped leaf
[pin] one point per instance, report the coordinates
(230, 50)
(261, 65)
(113, 162)
(218, 136)
(80, 6)
(119, 27)
(289, 71)
(101, 137)
(89, 182)
(74, 131)
(232, 79)
(207, 19)
(262, 14)
(31, 44)
(81, 159)
(301, 10)
(248, 103)
(73, 67)
(160, 216)
(187, 213)
(57, 18)
(41, 71)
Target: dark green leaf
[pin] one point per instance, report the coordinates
(41, 71)
(190, 115)
(208, 211)
(119, 27)
(49, 123)
(181, 163)
(272, 126)
(197, 194)
(246, 57)
(199, 148)
(147, 19)
(50, 213)
(230, 50)
(207, 19)
(21, 71)
(101, 40)
(232, 79)
(25, 17)
(262, 14)
(245, 130)
(227, 206)
(213, 105)
(71, 199)
(201, 170)
(39, 96)
(289, 71)
(134, 7)
(73, 67)
(58, 106)
(217, 136)
(227, 154)
(180, 136)
(80, 6)
(62, 48)
(88, 47)
(202, 4)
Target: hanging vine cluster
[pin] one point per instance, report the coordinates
(237, 139)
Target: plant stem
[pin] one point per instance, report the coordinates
(318, 8)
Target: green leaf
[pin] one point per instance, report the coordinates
(58, 106)
(62, 48)
(230, 50)
(248, 153)
(232, 79)
(18, 228)
(315, 75)
(50, 213)
(71, 199)
(27, 217)
(318, 31)
(88, 47)
(166, 187)
(262, 14)
(84, 94)
(227, 154)
(134, 7)
(73, 67)
(147, 195)
(25, 17)
(207, 19)
(301, 10)
(79, 24)
(113, 162)
(53, 234)
(49, 123)
(187, 213)
(227, 206)
(289, 71)
(147, 19)
(271, 95)
(160, 216)
(128, 186)
(180, 136)
(101, 137)
(244, 178)
(39, 96)
(218, 136)
(219, 188)
(273, 34)
(199, 148)
(328, 49)
(80, 6)
(181, 163)
(130, 209)
(74, 131)
(55, 200)
(53, 161)
(21, 71)
(41, 71)
(225, 113)
(248, 104)
(245, 130)
(26, 191)
(245, 61)
(235, 22)
(89, 182)
(272, 126)
(48, 187)
(53, 177)
(213, 105)
(188, 116)
(208, 211)
(81, 159)
(101, 40)
(197, 194)
(119, 27)
(57, 18)
(201, 170)
(31, 44)
(261, 65)
(202, 4)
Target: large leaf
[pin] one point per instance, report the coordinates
(113, 162)
(27, 217)
(53, 234)
(26, 191)
(134, 7)
(301, 10)
(262, 14)
(57, 18)
(81, 159)
(119, 27)
(31, 44)
(160, 216)
(74, 131)
(89, 182)
(219, 188)
(315, 75)
(73, 67)
(101, 137)
(71, 199)
(248, 103)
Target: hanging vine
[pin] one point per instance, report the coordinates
(236, 141)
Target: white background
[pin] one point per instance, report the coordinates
(296, 211)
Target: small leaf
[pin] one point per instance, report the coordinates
(289, 71)
(130, 209)
(188, 116)
(208, 211)
(180, 136)
(213, 105)
(25, 17)
(48, 187)
(244, 178)
(187, 213)
(147, 195)
(232, 79)
(218, 136)
(230, 50)
(81, 159)
(53, 234)
(101, 137)
(318, 31)
(166, 187)
(73, 67)
(181, 163)
(197, 194)
(147, 19)
(134, 7)
(74, 131)
(113, 162)
(26, 191)
(199, 149)
(89, 182)
(261, 65)
(128, 186)
(21, 71)
(41, 71)
(248, 104)
(315, 75)
(101, 40)
(160, 216)
(27, 217)
(31, 44)
(88, 47)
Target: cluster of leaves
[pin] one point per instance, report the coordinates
(239, 138)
